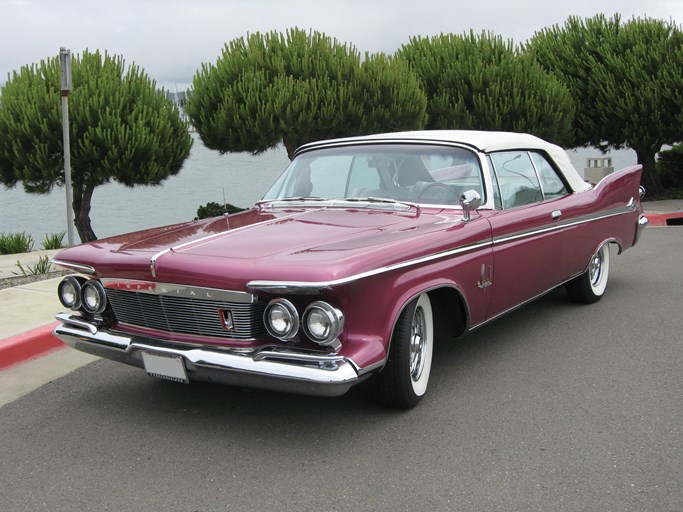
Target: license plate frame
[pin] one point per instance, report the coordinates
(165, 366)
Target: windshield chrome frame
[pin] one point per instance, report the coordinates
(338, 202)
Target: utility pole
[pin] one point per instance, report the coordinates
(65, 68)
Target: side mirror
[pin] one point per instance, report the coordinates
(469, 200)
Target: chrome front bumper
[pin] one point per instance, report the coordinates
(273, 369)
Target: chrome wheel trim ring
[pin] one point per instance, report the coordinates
(417, 344)
(595, 269)
(598, 270)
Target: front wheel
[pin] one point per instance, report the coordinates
(590, 286)
(403, 380)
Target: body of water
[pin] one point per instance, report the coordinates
(206, 176)
(239, 179)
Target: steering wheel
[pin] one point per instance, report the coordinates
(438, 184)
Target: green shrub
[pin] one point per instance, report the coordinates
(670, 170)
(15, 243)
(54, 241)
(42, 267)
(213, 209)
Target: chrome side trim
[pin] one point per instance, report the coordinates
(263, 368)
(312, 287)
(521, 304)
(564, 224)
(179, 290)
(78, 267)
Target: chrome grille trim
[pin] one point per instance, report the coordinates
(179, 290)
(187, 315)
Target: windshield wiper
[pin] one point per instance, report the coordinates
(300, 199)
(382, 200)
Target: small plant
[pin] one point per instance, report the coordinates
(54, 241)
(15, 243)
(42, 267)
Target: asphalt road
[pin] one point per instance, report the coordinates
(556, 407)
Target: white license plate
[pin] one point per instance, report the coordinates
(165, 367)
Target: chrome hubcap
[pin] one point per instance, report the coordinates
(595, 269)
(417, 344)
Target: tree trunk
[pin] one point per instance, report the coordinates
(290, 147)
(81, 204)
(649, 179)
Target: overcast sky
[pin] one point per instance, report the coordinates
(170, 39)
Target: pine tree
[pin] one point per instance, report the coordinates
(482, 82)
(626, 78)
(121, 129)
(298, 87)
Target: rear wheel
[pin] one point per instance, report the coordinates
(403, 381)
(590, 286)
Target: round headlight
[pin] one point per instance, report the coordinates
(93, 297)
(281, 319)
(69, 292)
(323, 323)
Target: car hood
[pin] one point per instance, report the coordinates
(311, 244)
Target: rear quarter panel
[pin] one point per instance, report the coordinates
(607, 212)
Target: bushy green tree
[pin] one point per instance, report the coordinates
(213, 209)
(481, 82)
(670, 170)
(121, 129)
(627, 81)
(298, 87)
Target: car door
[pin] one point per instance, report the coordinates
(528, 239)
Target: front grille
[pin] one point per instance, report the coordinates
(187, 315)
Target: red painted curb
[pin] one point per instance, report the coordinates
(664, 219)
(28, 345)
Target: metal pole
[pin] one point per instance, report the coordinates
(65, 61)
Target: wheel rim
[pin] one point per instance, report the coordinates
(598, 270)
(595, 270)
(417, 344)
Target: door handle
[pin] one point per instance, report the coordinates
(556, 214)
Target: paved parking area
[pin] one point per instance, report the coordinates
(555, 407)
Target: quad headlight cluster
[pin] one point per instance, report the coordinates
(81, 294)
(321, 322)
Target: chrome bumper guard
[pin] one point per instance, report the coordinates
(642, 224)
(272, 369)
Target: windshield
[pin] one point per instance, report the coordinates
(416, 173)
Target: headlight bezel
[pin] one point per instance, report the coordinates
(334, 318)
(291, 317)
(100, 294)
(76, 282)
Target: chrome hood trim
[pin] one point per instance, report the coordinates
(78, 267)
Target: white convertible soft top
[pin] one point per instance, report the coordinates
(483, 141)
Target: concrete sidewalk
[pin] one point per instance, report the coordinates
(8, 262)
(27, 311)
(30, 356)
(667, 206)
